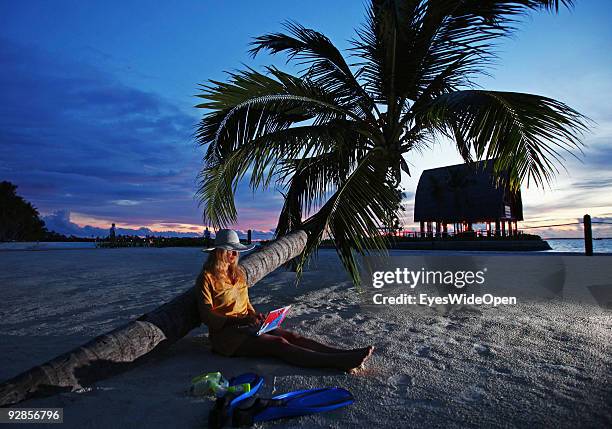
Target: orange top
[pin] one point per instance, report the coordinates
(218, 298)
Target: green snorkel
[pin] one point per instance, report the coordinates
(213, 383)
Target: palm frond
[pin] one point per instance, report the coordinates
(263, 157)
(312, 180)
(325, 65)
(406, 45)
(353, 215)
(526, 134)
(252, 104)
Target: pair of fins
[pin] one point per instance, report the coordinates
(244, 409)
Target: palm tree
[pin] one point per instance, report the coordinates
(333, 136)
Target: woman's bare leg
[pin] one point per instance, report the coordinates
(308, 343)
(276, 346)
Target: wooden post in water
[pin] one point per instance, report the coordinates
(249, 236)
(588, 236)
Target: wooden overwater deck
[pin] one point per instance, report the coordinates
(499, 245)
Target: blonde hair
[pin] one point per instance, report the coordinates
(219, 267)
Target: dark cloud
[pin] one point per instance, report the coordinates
(60, 222)
(607, 220)
(257, 234)
(74, 138)
(601, 183)
(599, 155)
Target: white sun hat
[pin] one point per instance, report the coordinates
(228, 239)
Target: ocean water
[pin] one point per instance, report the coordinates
(577, 245)
(57, 245)
(574, 245)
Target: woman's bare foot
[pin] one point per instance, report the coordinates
(349, 362)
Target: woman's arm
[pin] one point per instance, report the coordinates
(208, 316)
(250, 309)
(240, 320)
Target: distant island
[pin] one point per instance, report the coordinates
(20, 222)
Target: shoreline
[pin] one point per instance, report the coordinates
(538, 253)
(564, 246)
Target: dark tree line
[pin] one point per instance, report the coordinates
(19, 220)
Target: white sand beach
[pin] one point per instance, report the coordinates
(541, 363)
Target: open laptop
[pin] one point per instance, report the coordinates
(273, 320)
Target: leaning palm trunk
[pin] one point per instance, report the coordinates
(118, 349)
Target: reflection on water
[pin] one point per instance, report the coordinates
(46, 245)
(577, 245)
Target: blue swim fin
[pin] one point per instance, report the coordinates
(292, 404)
(223, 408)
(255, 382)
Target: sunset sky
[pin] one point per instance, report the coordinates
(97, 116)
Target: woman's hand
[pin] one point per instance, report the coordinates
(252, 321)
(248, 321)
(256, 318)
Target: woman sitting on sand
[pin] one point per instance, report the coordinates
(224, 306)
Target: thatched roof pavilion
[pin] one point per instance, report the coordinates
(465, 194)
